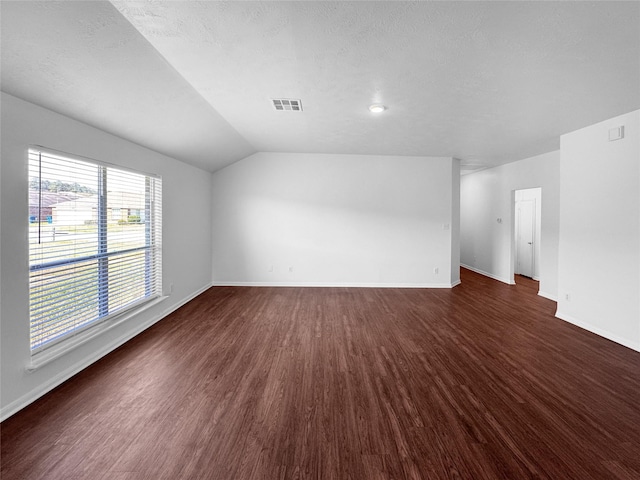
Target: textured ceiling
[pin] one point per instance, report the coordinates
(486, 82)
(84, 60)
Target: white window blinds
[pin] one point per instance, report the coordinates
(94, 243)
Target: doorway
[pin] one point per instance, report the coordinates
(527, 232)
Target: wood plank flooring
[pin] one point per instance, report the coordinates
(477, 382)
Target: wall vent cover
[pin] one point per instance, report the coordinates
(287, 104)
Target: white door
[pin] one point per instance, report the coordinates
(525, 235)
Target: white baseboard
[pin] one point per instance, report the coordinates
(548, 295)
(598, 331)
(232, 283)
(487, 274)
(41, 390)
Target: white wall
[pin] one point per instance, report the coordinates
(455, 222)
(600, 230)
(353, 220)
(488, 195)
(186, 240)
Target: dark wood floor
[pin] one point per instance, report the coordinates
(477, 382)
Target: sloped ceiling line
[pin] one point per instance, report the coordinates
(485, 82)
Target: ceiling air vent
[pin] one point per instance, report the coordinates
(287, 104)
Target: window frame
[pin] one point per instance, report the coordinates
(56, 345)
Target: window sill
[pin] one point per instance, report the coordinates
(43, 358)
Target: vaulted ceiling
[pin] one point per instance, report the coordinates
(486, 82)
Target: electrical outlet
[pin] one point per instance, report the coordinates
(567, 297)
(290, 269)
(436, 270)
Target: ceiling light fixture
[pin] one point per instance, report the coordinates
(377, 108)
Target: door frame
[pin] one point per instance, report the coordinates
(533, 244)
(512, 256)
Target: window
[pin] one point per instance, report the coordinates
(116, 214)
(89, 260)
